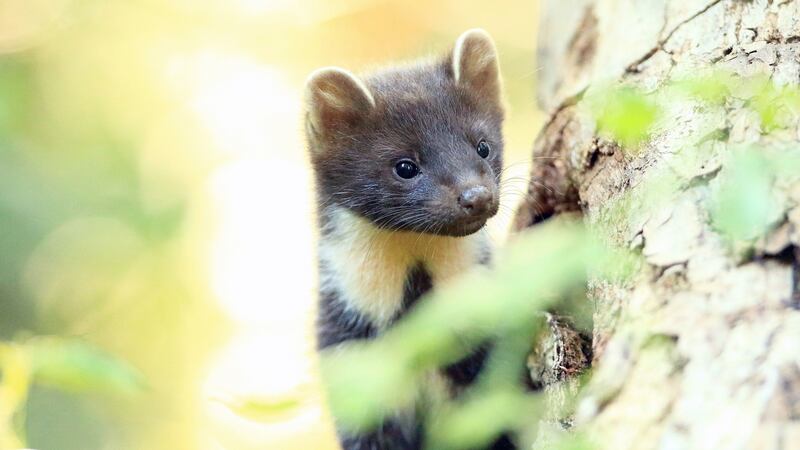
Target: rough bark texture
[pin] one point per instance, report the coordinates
(702, 350)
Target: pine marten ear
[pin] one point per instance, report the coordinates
(475, 64)
(336, 100)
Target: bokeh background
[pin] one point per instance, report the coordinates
(156, 230)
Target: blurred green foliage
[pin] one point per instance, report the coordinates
(95, 287)
(66, 365)
(744, 207)
(367, 381)
(624, 113)
(261, 409)
(77, 367)
(746, 204)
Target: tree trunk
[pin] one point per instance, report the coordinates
(701, 350)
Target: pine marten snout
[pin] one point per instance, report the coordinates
(413, 148)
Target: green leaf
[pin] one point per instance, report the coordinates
(482, 418)
(776, 105)
(364, 383)
(714, 88)
(368, 380)
(574, 441)
(743, 205)
(261, 409)
(15, 380)
(626, 114)
(75, 366)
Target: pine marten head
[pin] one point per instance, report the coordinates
(414, 148)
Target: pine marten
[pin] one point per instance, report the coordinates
(407, 163)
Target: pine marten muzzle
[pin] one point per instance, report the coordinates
(407, 163)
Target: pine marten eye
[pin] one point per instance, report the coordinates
(406, 169)
(483, 148)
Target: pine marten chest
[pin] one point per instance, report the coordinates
(369, 277)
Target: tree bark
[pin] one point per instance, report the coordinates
(701, 350)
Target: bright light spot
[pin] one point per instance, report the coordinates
(257, 366)
(264, 6)
(247, 107)
(240, 7)
(262, 255)
(262, 270)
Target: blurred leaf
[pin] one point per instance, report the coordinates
(574, 441)
(626, 114)
(74, 366)
(14, 386)
(743, 205)
(506, 361)
(482, 418)
(261, 409)
(714, 88)
(776, 105)
(367, 380)
(364, 383)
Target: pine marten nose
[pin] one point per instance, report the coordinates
(475, 201)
